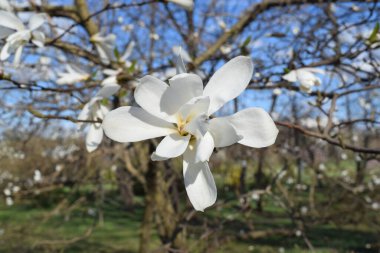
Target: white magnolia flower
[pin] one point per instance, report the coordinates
(226, 49)
(37, 177)
(12, 28)
(72, 75)
(15, 189)
(277, 91)
(154, 36)
(7, 192)
(127, 54)
(105, 46)
(95, 111)
(181, 112)
(296, 30)
(109, 84)
(9, 201)
(222, 24)
(187, 4)
(306, 78)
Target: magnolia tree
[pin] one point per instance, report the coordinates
(116, 76)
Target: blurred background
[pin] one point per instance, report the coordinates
(315, 190)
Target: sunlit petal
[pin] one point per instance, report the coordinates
(9, 20)
(171, 146)
(182, 89)
(94, 137)
(223, 132)
(199, 182)
(130, 124)
(255, 126)
(228, 82)
(148, 95)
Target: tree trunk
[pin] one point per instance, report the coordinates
(125, 183)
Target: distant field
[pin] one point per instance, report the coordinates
(31, 227)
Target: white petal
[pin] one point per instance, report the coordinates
(36, 21)
(94, 137)
(102, 54)
(148, 95)
(156, 158)
(5, 52)
(108, 90)
(199, 182)
(4, 5)
(130, 124)
(291, 76)
(103, 110)
(19, 37)
(187, 4)
(314, 70)
(9, 20)
(198, 126)
(83, 115)
(306, 86)
(194, 107)
(128, 51)
(203, 148)
(38, 38)
(111, 72)
(228, 82)
(5, 32)
(195, 114)
(178, 50)
(109, 80)
(180, 67)
(255, 126)
(86, 113)
(223, 132)
(171, 146)
(17, 58)
(181, 57)
(182, 89)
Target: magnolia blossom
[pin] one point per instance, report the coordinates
(277, 91)
(105, 46)
(306, 78)
(109, 84)
(128, 51)
(72, 75)
(37, 177)
(181, 112)
(95, 111)
(18, 35)
(9, 201)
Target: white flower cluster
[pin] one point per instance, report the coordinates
(17, 35)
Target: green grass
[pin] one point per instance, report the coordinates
(27, 229)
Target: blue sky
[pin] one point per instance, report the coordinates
(262, 46)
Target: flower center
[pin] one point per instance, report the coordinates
(181, 124)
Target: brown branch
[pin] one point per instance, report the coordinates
(40, 115)
(250, 16)
(328, 139)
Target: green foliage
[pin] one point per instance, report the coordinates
(373, 37)
(116, 53)
(132, 68)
